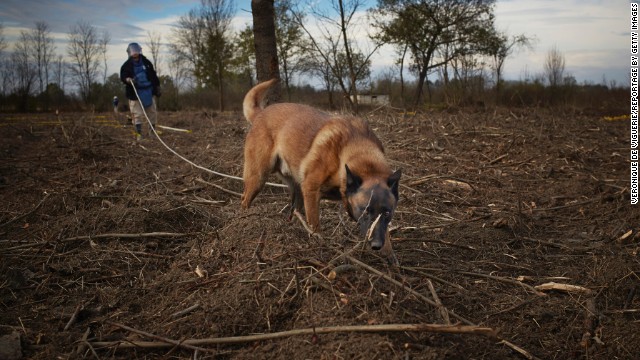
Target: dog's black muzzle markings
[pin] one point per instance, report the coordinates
(372, 204)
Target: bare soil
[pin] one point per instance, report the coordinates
(108, 245)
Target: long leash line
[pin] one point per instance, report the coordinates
(182, 157)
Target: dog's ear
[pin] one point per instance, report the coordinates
(394, 181)
(353, 181)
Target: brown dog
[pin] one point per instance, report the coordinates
(319, 156)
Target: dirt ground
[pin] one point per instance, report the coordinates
(112, 249)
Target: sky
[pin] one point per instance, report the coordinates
(593, 35)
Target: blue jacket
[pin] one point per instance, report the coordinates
(126, 71)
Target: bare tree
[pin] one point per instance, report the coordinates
(554, 66)
(290, 43)
(154, 39)
(4, 72)
(3, 40)
(202, 39)
(59, 72)
(103, 43)
(336, 45)
(244, 62)
(23, 70)
(187, 42)
(84, 51)
(501, 46)
(318, 67)
(178, 72)
(41, 50)
(217, 16)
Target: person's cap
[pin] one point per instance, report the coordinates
(134, 49)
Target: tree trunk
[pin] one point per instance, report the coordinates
(264, 35)
(220, 86)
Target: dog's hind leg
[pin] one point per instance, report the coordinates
(252, 187)
(257, 166)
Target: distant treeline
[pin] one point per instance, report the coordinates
(472, 93)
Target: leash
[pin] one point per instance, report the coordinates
(182, 157)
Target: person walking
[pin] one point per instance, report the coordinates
(115, 105)
(138, 72)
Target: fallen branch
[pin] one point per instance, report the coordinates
(164, 341)
(590, 323)
(82, 345)
(184, 311)
(381, 274)
(506, 280)
(444, 313)
(174, 129)
(191, 343)
(497, 159)
(74, 316)
(518, 349)
(219, 187)
(306, 225)
(103, 236)
(466, 247)
(578, 203)
(563, 287)
(417, 270)
(403, 286)
(26, 214)
(417, 294)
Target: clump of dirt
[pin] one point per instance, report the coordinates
(117, 249)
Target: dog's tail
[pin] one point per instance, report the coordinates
(253, 103)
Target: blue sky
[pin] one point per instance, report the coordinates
(593, 35)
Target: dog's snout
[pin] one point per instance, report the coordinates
(376, 244)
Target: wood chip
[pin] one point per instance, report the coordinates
(563, 287)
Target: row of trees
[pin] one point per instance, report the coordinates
(454, 43)
(34, 71)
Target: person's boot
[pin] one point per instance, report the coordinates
(138, 132)
(154, 128)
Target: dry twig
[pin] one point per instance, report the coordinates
(26, 214)
(104, 236)
(192, 343)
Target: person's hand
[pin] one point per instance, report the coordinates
(131, 81)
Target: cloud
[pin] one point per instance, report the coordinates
(589, 33)
(593, 35)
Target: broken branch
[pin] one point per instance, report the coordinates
(191, 343)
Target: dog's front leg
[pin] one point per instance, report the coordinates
(311, 195)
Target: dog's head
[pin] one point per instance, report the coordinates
(371, 202)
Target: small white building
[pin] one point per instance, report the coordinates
(373, 99)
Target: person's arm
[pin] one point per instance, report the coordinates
(126, 74)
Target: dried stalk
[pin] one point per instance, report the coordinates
(219, 188)
(103, 236)
(444, 313)
(506, 280)
(192, 343)
(165, 341)
(401, 285)
(185, 311)
(26, 214)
